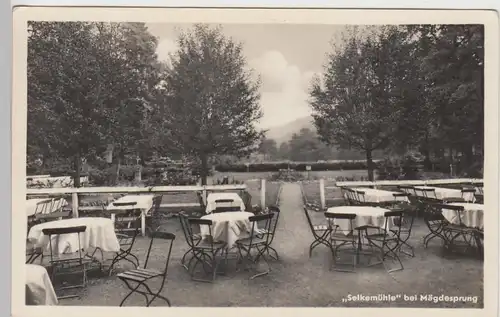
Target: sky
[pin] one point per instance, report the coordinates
(286, 56)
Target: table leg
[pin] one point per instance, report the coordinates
(143, 224)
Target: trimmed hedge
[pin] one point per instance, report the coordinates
(298, 166)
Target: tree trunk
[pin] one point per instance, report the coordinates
(117, 175)
(77, 164)
(369, 165)
(204, 169)
(427, 153)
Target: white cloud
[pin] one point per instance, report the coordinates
(284, 89)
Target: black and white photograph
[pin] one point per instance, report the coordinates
(227, 163)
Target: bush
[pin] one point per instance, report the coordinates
(397, 168)
(287, 176)
(297, 166)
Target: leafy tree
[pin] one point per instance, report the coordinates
(356, 103)
(80, 74)
(210, 100)
(268, 147)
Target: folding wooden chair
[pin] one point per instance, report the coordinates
(126, 229)
(405, 228)
(274, 225)
(320, 234)
(435, 222)
(206, 251)
(155, 217)
(453, 232)
(340, 240)
(410, 190)
(66, 264)
(480, 188)
(33, 252)
(360, 197)
(468, 192)
(256, 242)
(388, 241)
(137, 280)
(191, 239)
(479, 198)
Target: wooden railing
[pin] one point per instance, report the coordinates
(74, 192)
(375, 184)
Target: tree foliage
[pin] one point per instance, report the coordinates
(404, 88)
(210, 100)
(82, 77)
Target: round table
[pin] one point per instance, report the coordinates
(39, 289)
(365, 216)
(100, 233)
(228, 226)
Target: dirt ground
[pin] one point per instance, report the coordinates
(299, 281)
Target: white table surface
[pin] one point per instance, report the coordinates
(144, 203)
(443, 193)
(212, 197)
(228, 226)
(39, 289)
(100, 233)
(472, 216)
(378, 195)
(31, 205)
(365, 216)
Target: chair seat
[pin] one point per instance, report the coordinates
(207, 245)
(139, 275)
(453, 227)
(320, 228)
(69, 258)
(126, 241)
(255, 241)
(340, 236)
(381, 236)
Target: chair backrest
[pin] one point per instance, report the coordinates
(194, 227)
(61, 231)
(394, 216)
(157, 203)
(455, 208)
(331, 216)
(201, 200)
(220, 209)
(454, 200)
(360, 194)
(224, 201)
(264, 223)
(186, 230)
(429, 192)
(276, 210)
(479, 198)
(170, 237)
(352, 196)
(124, 204)
(43, 206)
(410, 190)
(400, 195)
(309, 221)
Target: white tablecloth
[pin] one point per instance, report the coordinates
(365, 216)
(228, 226)
(443, 193)
(212, 197)
(144, 203)
(378, 195)
(100, 233)
(39, 289)
(47, 207)
(472, 216)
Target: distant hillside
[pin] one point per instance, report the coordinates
(283, 133)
